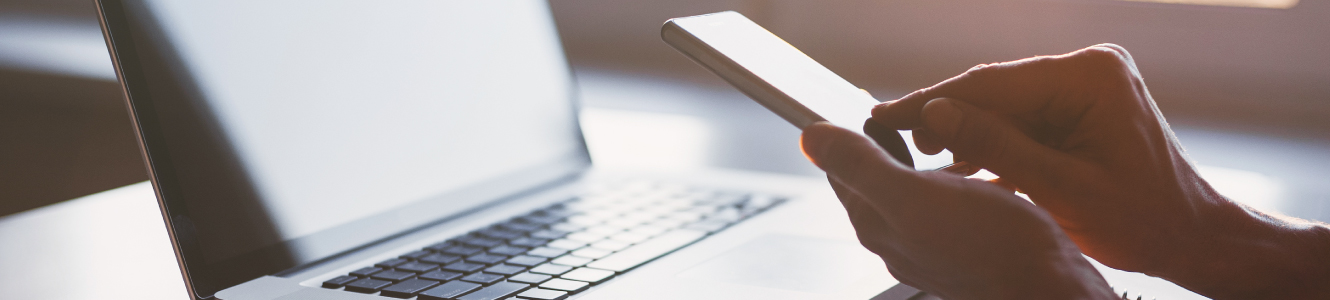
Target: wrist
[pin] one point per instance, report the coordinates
(1240, 253)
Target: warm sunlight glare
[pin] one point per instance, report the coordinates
(1278, 4)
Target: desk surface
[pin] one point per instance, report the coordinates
(112, 245)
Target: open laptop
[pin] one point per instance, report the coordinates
(353, 149)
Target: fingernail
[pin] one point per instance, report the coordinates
(943, 117)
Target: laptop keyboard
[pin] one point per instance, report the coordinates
(560, 250)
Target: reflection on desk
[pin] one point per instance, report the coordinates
(109, 245)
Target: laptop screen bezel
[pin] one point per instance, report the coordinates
(162, 173)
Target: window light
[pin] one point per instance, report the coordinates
(1277, 4)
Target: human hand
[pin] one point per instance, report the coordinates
(1080, 134)
(953, 237)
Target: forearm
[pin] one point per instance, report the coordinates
(1245, 254)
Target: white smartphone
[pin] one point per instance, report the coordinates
(778, 76)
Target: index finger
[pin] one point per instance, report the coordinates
(1023, 86)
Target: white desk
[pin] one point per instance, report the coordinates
(110, 245)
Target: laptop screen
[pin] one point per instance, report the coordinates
(281, 132)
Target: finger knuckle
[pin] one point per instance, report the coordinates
(1113, 47)
(1106, 64)
(982, 70)
(1102, 57)
(978, 67)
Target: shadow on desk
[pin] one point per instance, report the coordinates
(63, 137)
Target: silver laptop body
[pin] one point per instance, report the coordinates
(293, 145)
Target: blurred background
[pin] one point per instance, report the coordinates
(1246, 83)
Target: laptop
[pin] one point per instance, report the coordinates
(352, 149)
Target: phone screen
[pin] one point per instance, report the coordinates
(784, 79)
(782, 67)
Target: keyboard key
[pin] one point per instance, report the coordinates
(501, 234)
(642, 216)
(588, 275)
(624, 222)
(648, 250)
(549, 234)
(708, 226)
(508, 250)
(449, 290)
(520, 226)
(565, 285)
(592, 253)
(441, 275)
(393, 275)
(558, 210)
(417, 254)
(366, 271)
(547, 252)
(610, 245)
(391, 263)
(505, 269)
(667, 223)
(486, 258)
(585, 237)
(648, 230)
(530, 278)
(727, 215)
(481, 241)
(759, 202)
(417, 267)
(529, 242)
(551, 269)
(440, 259)
(367, 285)
(408, 289)
(701, 210)
(658, 210)
(604, 213)
(542, 294)
(483, 278)
(567, 227)
(628, 237)
(495, 292)
(464, 267)
(339, 281)
(566, 244)
(685, 216)
(463, 250)
(569, 260)
(526, 260)
(605, 230)
(440, 246)
(585, 220)
(541, 219)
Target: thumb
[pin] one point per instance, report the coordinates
(859, 164)
(987, 141)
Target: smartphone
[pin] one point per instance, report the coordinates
(778, 76)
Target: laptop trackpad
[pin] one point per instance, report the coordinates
(789, 262)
